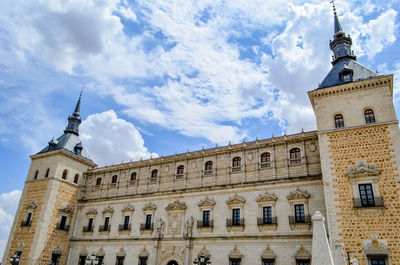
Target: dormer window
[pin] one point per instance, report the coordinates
(346, 75)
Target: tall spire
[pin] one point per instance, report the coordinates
(341, 44)
(75, 120)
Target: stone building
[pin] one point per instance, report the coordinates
(247, 203)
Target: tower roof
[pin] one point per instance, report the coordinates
(345, 67)
(70, 141)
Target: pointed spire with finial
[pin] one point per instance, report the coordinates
(75, 120)
(338, 26)
(78, 106)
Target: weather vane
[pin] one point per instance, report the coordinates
(334, 7)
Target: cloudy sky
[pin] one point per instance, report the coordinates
(162, 76)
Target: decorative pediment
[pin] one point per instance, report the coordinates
(149, 207)
(268, 254)
(302, 253)
(121, 252)
(108, 210)
(31, 205)
(67, 209)
(57, 250)
(363, 169)
(101, 252)
(128, 209)
(207, 203)
(266, 197)
(176, 206)
(235, 254)
(236, 200)
(205, 252)
(144, 252)
(84, 252)
(20, 246)
(375, 246)
(91, 211)
(298, 195)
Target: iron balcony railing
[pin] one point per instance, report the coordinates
(103, 228)
(303, 219)
(373, 202)
(26, 223)
(147, 226)
(202, 223)
(124, 227)
(62, 227)
(235, 222)
(267, 221)
(87, 229)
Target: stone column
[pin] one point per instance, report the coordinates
(321, 252)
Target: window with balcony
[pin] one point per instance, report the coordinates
(89, 227)
(120, 260)
(234, 261)
(235, 216)
(126, 225)
(106, 226)
(268, 262)
(265, 160)
(366, 195)
(206, 218)
(369, 116)
(299, 213)
(142, 260)
(302, 262)
(62, 225)
(267, 215)
(339, 123)
(295, 156)
(377, 260)
(55, 258)
(148, 222)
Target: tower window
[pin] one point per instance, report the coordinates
(64, 174)
(208, 165)
(366, 195)
(47, 173)
(265, 157)
(76, 178)
(369, 116)
(114, 179)
(154, 173)
(180, 169)
(98, 182)
(36, 174)
(133, 176)
(236, 162)
(339, 123)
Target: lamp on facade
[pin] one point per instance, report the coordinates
(93, 260)
(14, 259)
(203, 260)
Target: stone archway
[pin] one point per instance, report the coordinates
(172, 259)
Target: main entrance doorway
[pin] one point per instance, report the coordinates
(172, 262)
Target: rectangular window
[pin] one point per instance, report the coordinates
(142, 260)
(366, 195)
(267, 215)
(120, 260)
(82, 260)
(235, 216)
(268, 262)
(378, 261)
(126, 222)
(62, 222)
(234, 261)
(206, 218)
(302, 262)
(101, 258)
(90, 225)
(148, 221)
(299, 213)
(55, 258)
(106, 223)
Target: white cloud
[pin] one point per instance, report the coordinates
(110, 139)
(8, 206)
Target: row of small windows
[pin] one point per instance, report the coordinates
(295, 153)
(64, 175)
(368, 114)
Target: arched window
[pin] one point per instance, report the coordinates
(295, 153)
(180, 169)
(36, 174)
(133, 176)
(114, 179)
(236, 162)
(265, 157)
(369, 116)
(47, 173)
(98, 182)
(64, 175)
(208, 165)
(76, 178)
(154, 173)
(339, 123)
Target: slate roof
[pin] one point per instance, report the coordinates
(360, 72)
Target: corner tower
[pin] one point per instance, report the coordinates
(359, 142)
(45, 214)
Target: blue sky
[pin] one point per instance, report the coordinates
(163, 76)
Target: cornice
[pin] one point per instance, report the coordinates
(65, 153)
